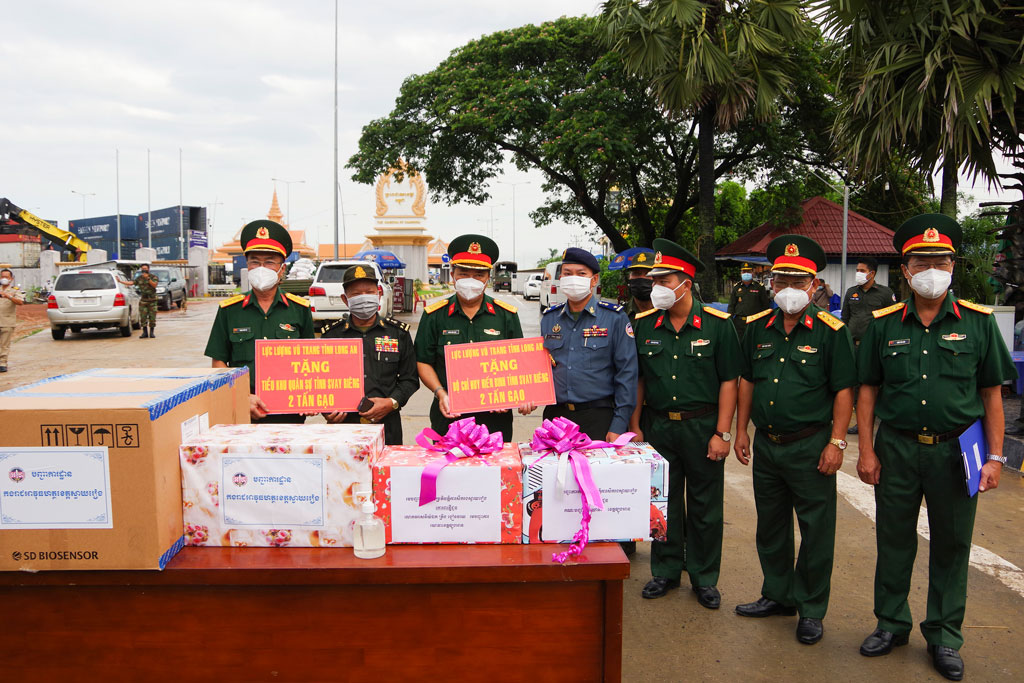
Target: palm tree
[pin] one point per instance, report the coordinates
(722, 60)
(936, 80)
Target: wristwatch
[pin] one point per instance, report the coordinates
(839, 443)
(726, 437)
(394, 404)
(997, 458)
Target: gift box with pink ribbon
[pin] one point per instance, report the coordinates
(628, 487)
(463, 487)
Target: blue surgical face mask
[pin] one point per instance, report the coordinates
(746, 277)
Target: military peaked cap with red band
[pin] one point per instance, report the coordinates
(796, 254)
(473, 251)
(669, 257)
(266, 236)
(929, 233)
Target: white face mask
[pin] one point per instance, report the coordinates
(469, 288)
(575, 287)
(860, 278)
(663, 298)
(931, 283)
(263, 278)
(364, 306)
(4, 281)
(792, 300)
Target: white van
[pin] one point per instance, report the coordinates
(550, 294)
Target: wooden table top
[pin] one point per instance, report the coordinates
(402, 564)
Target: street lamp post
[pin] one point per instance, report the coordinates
(522, 182)
(491, 225)
(84, 195)
(288, 198)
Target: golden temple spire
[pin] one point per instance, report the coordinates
(275, 211)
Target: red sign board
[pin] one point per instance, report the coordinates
(500, 374)
(309, 375)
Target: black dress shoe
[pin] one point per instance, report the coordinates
(882, 642)
(708, 596)
(764, 608)
(1015, 429)
(852, 430)
(3, 368)
(809, 631)
(947, 662)
(657, 587)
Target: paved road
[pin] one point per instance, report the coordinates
(674, 639)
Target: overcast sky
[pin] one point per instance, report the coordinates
(245, 89)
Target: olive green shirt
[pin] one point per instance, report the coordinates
(441, 326)
(929, 377)
(240, 322)
(858, 306)
(146, 284)
(796, 376)
(683, 370)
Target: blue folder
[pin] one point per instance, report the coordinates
(973, 449)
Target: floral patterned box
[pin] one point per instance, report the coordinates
(276, 484)
(478, 498)
(621, 474)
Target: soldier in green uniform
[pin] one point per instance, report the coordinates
(389, 358)
(264, 312)
(467, 316)
(147, 284)
(798, 372)
(689, 360)
(930, 366)
(639, 282)
(748, 297)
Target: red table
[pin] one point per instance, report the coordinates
(450, 612)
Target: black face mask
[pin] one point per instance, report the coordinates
(640, 288)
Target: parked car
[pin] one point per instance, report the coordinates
(92, 298)
(531, 290)
(170, 288)
(549, 292)
(325, 293)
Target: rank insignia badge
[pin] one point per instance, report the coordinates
(807, 349)
(287, 327)
(954, 337)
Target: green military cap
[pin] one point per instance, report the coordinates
(929, 233)
(669, 257)
(641, 259)
(358, 273)
(796, 255)
(473, 251)
(266, 236)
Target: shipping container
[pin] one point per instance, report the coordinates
(165, 222)
(20, 251)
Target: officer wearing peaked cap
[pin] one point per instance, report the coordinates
(263, 312)
(639, 282)
(592, 351)
(467, 316)
(748, 297)
(689, 360)
(389, 359)
(798, 372)
(929, 366)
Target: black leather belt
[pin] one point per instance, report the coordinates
(931, 439)
(585, 405)
(794, 436)
(676, 415)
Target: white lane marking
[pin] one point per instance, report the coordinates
(862, 497)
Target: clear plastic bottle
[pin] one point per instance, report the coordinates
(368, 534)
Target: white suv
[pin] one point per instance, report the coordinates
(325, 293)
(98, 298)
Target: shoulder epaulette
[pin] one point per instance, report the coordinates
(436, 306)
(881, 312)
(553, 307)
(756, 316)
(717, 313)
(643, 314)
(331, 324)
(830, 320)
(975, 307)
(231, 300)
(610, 306)
(507, 306)
(397, 323)
(297, 299)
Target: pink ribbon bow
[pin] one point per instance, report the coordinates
(562, 437)
(465, 439)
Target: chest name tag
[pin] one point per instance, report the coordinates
(554, 337)
(652, 342)
(240, 330)
(807, 349)
(898, 342)
(492, 332)
(385, 344)
(595, 331)
(448, 332)
(954, 337)
(763, 346)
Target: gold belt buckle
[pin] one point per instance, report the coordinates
(927, 439)
(675, 416)
(774, 438)
(571, 406)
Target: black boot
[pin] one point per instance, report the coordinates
(152, 332)
(145, 333)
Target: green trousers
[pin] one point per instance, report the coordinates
(911, 470)
(147, 313)
(787, 480)
(694, 539)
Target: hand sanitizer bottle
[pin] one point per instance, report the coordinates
(368, 534)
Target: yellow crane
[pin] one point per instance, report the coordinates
(10, 212)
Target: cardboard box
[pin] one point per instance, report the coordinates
(633, 512)
(276, 485)
(478, 498)
(89, 475)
